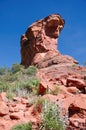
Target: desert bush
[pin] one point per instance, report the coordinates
(19, 81)
(4, 70)
(29, 84)
(11, 78)
(24, 88)
(56, 90)
(26, 126)
(51, 117)
(31, 70)
(16, 68)
(4, 86)
(39, 103)
(10, 95)
(34, 82)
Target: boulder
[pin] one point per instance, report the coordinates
(4, 110)
(3, 96)
(78, 83)
(17, 115)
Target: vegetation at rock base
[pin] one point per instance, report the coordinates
(18, 81)
(26, 126)
(56, 90)
(51, 117)
(21, 82)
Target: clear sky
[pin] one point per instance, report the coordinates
(17, 15)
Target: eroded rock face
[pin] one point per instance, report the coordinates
(39, 47)
(40, 42)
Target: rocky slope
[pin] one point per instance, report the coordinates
(39, 47)
(62, 80)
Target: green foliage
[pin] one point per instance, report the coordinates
(16, 68)
(51, 118)
(30, 85)
(4, 70)
(4, 86)
(55, 91)
(32, 70)
(39, 103)
(18, 81)
(10, 95)
(34, 82)
(27, 126)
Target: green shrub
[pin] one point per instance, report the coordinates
(11, 78)
(27, 126)
(51, 118)
(10, 95)
(56, 90)
(31, 70)
(16, 68)
(34, 82)
(18, 81)
(29, 84)
(4, 86)
(4, 70)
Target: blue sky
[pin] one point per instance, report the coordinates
(17, 15)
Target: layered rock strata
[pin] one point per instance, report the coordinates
(39, 47)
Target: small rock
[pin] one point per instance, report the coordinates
(42, 89)
(19, 107)
(79, 83)
(11, 109)
(73, 90)
(16, 99)
(24, 101)
(4, 109)
(17, 115)
(3, 96)
(78, 123)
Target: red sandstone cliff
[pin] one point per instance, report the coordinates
(39, 47)
(39, 43)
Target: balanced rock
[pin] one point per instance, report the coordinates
(40, 42)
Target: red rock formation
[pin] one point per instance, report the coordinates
(39, 43)
(39, 47)
(56, 72)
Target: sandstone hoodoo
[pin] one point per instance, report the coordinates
(39, 47)
(40, 42)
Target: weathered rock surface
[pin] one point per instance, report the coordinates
(62, 81)
(39, 43)
(39, 47)
(16, 112)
